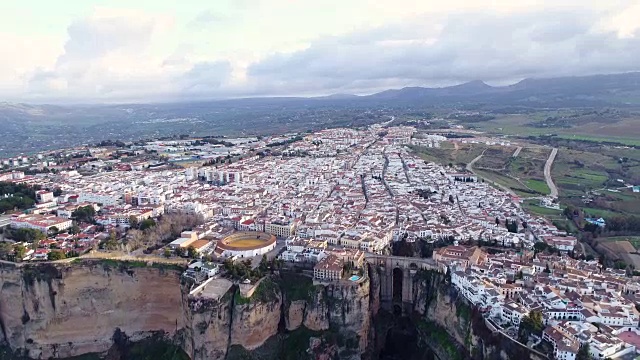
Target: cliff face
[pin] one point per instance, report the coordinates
(316, 311)
(455, 330)
(72, 309)
(207, 326)
(342, 308)
(67, 310)
(340, 311)
(349, 312)
(255, 322)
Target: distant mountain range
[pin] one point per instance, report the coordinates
(30, 127)
(596, 90)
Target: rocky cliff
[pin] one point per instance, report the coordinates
(284, 318)
(71, 309)
(64, 310)
(207, 326)
(453, 329)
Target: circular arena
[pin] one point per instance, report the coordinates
(247, 244)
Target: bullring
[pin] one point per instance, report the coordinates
(247, 244)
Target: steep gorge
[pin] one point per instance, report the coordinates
(65, 310)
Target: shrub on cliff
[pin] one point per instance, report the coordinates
(296, 286)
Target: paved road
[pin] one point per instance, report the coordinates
(547, 173)
(5, 220)
(517, 152)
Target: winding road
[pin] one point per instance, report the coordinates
(470, 169)
(547, 173)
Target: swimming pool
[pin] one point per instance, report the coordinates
(354, 278)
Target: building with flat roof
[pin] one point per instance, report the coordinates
(186, 239)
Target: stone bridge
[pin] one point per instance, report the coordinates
(396, 276)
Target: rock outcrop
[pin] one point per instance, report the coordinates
(256, 320)
(349, 312)
(316, 314)
(213, 328)
(207, 325)
(70, 309)
(295, 315)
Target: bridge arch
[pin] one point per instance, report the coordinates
(396, 277)
(397, 284)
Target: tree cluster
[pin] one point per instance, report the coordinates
(142, 225)
(511, 225)
(12, 252)
(583, 353)
(25, 235)
(285, 142)
(166, 229)
(188, 252)
(111, 143)
(111, 243)
(240, 270)
(56, 255)
(403, 248)
(531, 324)
(20, 196)
(463, 179)
(84, 214)
(623, 223)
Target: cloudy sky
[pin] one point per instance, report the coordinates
(150, 50)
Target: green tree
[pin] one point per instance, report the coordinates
(35, 244)
(583, 353)
(167, 252)
(530, 324)
(192, 252)
(112, 241)
(181, 252)
(84, 214)
(264, 264)
(53, 231)
(20, 252)
(5, 249)
(74, 229)
(133, 221)
(540, 246)
(56, 255)
(146, 224)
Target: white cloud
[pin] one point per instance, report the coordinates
(280, 47)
